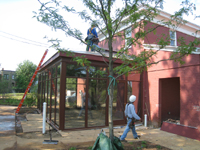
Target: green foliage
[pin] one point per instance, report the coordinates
(4, 86)
(144, 142)
(82, 61)
(24, 74)
(14, 99)
(90, 147)
(131, 143)
(72, 148)
(158, 147)
(16, 96)
(110, 21)
(143, 145)
(184, 49)
(30, 100)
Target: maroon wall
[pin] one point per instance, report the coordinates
(153, 37)
(189, 75)
(186, 37)
(117, 43)
(169, 98)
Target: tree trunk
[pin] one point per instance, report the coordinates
(111, 90)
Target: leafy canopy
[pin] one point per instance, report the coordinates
(110, 16)
(24, 73)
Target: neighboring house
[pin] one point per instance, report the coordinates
(9, 76)
(170, 90)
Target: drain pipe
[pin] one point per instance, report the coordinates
(145, 120)
(44, 117)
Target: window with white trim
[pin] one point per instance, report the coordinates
(128, 34)
(197, 49)
(172, 35)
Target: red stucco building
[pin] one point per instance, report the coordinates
(166, 92)
(170, 91)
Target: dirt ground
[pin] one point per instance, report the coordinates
(151, 139)
(143, 145)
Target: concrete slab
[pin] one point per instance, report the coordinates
(33, 117)
(7, 123)
(168, 140)
(34, 123)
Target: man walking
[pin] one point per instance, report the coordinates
(131, 115)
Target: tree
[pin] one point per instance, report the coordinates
(24, 72)
(4, 87)
(108, 20)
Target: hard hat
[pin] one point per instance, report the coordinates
(132, 98)
(93, 24)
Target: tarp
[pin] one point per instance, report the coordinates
(104, 143)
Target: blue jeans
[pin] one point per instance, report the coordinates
(91, 45)
(128, 129)
(96, 46)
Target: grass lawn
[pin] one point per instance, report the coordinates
(15, 98)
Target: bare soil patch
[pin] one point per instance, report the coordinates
(136, 145)
(54, 135)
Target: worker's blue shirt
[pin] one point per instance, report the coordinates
(94, 32)
(130, 111)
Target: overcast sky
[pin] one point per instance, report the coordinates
(21, 36)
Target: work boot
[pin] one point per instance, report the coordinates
(121, 139)
(138, 137)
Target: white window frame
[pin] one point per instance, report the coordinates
(174, 38)
(197, 49)
(127, 35)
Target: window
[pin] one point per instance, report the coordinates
(13, 77)
(6, 76)
(172, 38)
(128, 35)
(197, 49)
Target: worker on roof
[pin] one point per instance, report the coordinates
(92, 38)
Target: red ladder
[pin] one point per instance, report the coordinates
(30, 83)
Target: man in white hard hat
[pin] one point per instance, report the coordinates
(131, 115)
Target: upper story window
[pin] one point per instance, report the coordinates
(13, 77)
(6, 76)
(128, 35)
(197, 49)
(172, 38)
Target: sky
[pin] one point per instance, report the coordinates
(22, 36)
